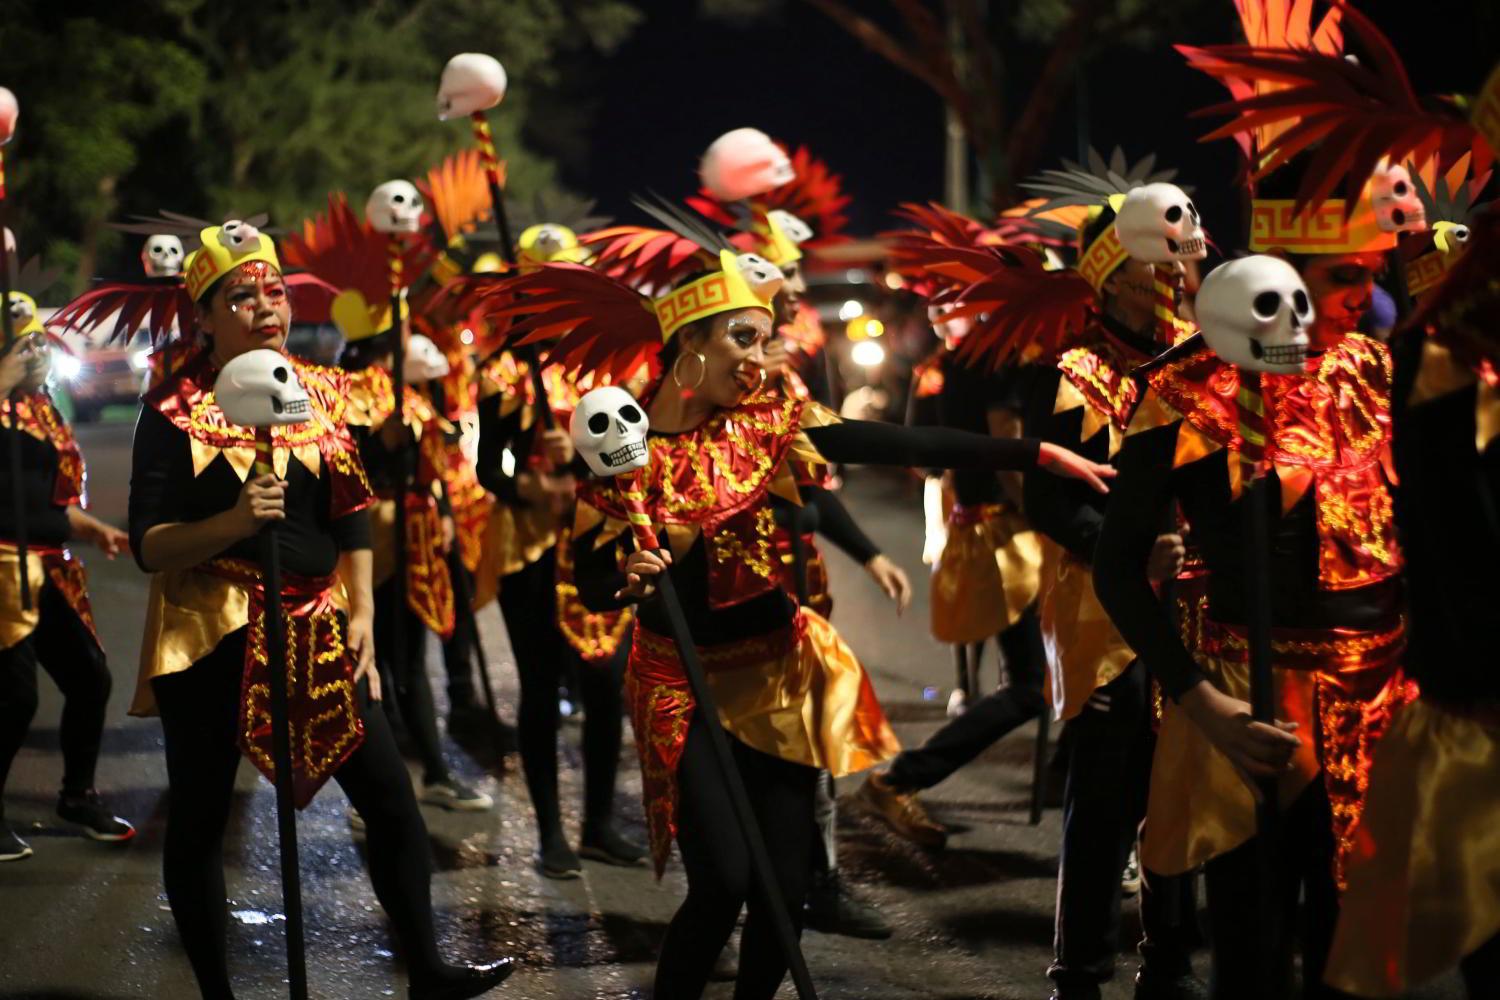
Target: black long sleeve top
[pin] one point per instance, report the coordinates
(1140, 501)
(854, 441)
(163, 490)
(964, 403)
(46, 521)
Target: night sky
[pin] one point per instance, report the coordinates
(682, 80)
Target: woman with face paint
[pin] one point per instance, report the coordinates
(55, 630)
(791, 694)
(195, 512)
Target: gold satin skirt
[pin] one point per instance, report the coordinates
(987, 575)
(1084, 651)
(1341, 687)
(44, 564)
(1424, 879)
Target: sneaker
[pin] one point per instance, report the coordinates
(901, 811)
(958, 703)
(557, 861)
(12, 847)
(88, 812)
(1130, 878)
(356, 821)
(833, 908)
(452, 794)
(1183, 987)
(609, 847)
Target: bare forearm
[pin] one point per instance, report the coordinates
(187, 543)
(356, 568)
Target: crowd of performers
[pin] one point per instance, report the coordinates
(1151, 478)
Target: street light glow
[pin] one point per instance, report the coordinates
(868, 353)
(850, 309)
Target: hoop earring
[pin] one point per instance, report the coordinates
(702, 369)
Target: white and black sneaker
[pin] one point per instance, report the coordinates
(450, 793)
(12, 847)
(87, 812)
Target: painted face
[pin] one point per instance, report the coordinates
(734, 356)
(1133, 286)
(1340, 286)
(250, 310)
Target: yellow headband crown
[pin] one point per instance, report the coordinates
(1101, 257)
(358, 319)
(223, 249)
(546, 242)
(26, 318)
(745, 281)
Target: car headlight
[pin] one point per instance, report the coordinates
(140, 360)
(66, 366)
(868, 353)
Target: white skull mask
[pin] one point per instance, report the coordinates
(609, 431)
(1397, 207)
(162, 256)
(764, 278)
(239, 237)
(1158, 223)
(423, 361)
(260, 389)
(472, 81)
(1255, 313)
(791, 227)
(9, 112)
(395, 207)
(744, 163)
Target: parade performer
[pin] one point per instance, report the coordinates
(984, 581)
(1082, 397)
(194, 514)
(349, 255)
(55, 632)
(791, 693)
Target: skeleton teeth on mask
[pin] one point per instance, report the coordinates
(260, 389)
(609, 430)
(1255, 313)
(1158, 223)
(395, 207)
(162, 255)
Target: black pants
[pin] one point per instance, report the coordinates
(719, 879)
(458, 649)
(199, 716)
(1304, 864)
(1019, 701)
(62, 646)
(528, 603)
(403, 676)
(1104, 801)
(1481, 969)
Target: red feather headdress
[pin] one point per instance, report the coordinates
(1021, 310)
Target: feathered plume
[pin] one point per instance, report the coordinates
(1021, 310)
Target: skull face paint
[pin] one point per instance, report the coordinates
(609, 431)
(162, 255)
(260, 389)
(1158, 223)
(395, 207)
(1256, 313)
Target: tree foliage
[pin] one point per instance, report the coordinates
(209, 107)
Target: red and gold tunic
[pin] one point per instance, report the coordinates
(429, 585)
(34, 414)
(1329, 436)
(798, 693)
(191, 611)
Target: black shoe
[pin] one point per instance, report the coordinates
(1080, 991)
(832, 908)
(88, 812)
(12, 847)
(1184, 987)
(608, 846)
(556, 860)
(458, 982)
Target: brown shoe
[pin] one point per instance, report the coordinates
(902, 812)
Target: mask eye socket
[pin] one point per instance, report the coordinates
(1174, 214)
(599, 423)
(279, 374)
(1265, 305)
(1399, 188)
(1461, 234)
(630, 413)
(1300, 303)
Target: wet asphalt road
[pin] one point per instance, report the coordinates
(84, 921)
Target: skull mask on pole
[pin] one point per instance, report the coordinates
(162, 256)
(395, 207)
(1398, 209)
(609, 431)
(260, 389)
(1255, 313)
(472, 81)
(1158, 223)
(744, 163)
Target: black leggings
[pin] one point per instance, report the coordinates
(458, 649)
(198, 715)
(718, 868)
(528, 604)
(961, 740)
(62, 646)
(403, 675)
